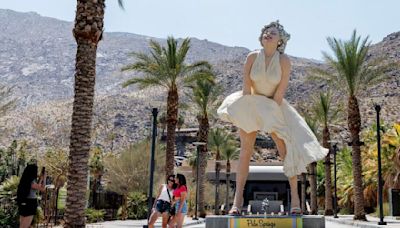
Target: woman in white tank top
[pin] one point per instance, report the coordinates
(163, 203)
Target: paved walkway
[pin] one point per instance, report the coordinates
(344, 221)
(372, 221)
(188, 222)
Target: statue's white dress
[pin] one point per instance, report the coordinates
(259, 112)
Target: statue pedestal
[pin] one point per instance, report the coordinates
(301, 221)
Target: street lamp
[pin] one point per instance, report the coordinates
(380, 182)
(197, 144)
(153, 147)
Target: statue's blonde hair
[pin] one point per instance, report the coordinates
(283, 35)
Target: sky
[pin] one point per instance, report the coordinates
(238, 22)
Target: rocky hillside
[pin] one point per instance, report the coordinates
(37, 59)
(37, 56)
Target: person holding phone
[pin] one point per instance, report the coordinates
(27, 194)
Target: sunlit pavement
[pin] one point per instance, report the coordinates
(344, 221)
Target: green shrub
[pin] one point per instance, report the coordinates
(9, 216)
(137, 205)
(93, 215)
(10, 185)
(346, 211)
(8, 206)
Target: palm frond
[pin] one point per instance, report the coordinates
(220, 140)
(165, 66)
(324, 75)
(325, 109)
(145, 82)
(375, 72)
(121, 4)
(312, 123)
(200, 75)
(156, 52)
(151, 66)
(205, 93)
(170, 52)
(182, 52)
(230, 152)
(348, 61)
(143, 63)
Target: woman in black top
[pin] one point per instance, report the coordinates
(26, 194)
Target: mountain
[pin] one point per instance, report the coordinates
(37, 57)
(38, 54)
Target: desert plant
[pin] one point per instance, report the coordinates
(8, 206)
(137, 205)
(129, 171)
(93, 215)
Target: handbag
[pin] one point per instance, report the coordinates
(172, 207)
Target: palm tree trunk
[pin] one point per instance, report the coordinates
(87, 32)
(354, 124)
(217, 169)
(204, 127)
(172, 119)
(328, 176)
(313, 187)
(228, 174)
(94, 190)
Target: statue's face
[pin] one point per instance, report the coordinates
(270, 37)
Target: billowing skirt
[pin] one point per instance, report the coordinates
(260, 113)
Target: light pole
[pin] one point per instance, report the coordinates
(335, 150)
(153, 147)
(197, 144)
(380, 182)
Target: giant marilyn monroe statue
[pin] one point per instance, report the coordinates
(261, 106)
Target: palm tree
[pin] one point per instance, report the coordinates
(229, 152)
(350, 71)
(326, 114)
(204, 96)
(217, 139)
(166, 67)
(88, 31)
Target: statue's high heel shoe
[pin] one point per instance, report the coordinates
(234, 211)
(296, 211)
